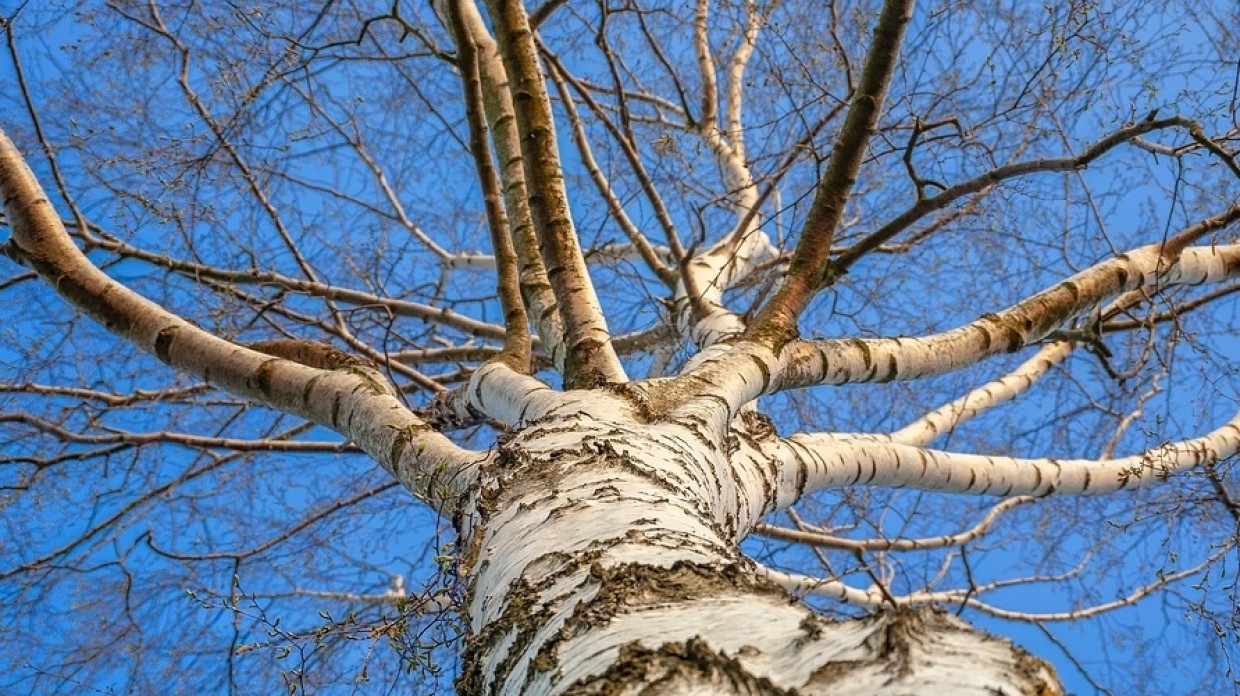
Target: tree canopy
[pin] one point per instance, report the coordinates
(964, 273)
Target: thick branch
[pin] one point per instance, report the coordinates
(743, 372)
(810, 463)
(591, 358)
(501, 120)
(348, 398)
(776, 322)
(517, 351)
(839, 361)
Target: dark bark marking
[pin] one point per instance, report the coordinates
(308, 391)
(766, 372)
(163, 343)
(262, 379)
(893, 368)
(691, 664)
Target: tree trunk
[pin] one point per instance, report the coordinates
(601, 556)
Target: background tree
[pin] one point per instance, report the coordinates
(359, 214)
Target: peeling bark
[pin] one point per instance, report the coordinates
(602, 559)
(599, 540)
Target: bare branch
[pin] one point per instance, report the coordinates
(590, 357)
(923, 206)
(776, 323)
(830, 541)
(517, 350)
(349, 400)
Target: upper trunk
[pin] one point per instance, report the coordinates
(602, 556)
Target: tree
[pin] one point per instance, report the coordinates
(589, 283)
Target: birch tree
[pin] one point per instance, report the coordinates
(584, 348)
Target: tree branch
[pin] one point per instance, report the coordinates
(840, 361)
(348, 398)
(776, 323)
(497, 102)
(924, 206)
(517, 351)
(590, 359)
(812, 463)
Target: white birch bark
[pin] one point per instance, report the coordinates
(602, 558)
(704, 317)
(745, 371)
(599, 541)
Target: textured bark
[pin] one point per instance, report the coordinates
(602, 559)
(501, 121)
(600, 536)
(590, 357)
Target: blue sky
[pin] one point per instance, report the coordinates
(143, 167)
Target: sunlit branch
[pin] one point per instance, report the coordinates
(494, 391)
(776, 323)
(446, 354)
(517, 344)
(343, 394)
(1178, 150)
(708, 104)
(727, 142)
(669, 113)
(810, 463)
(706, 275)
(37, 122)
(840, 361)
(736, 77)
(1175, 312)
(799, 585)
(945, 418)
(590, 356)
(501, 119)
(737, 374)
